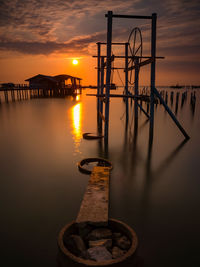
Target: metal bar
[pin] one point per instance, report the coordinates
(171, 113)
(129, 16)
(153, 70)
(108, 73)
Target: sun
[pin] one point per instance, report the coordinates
(74, 61)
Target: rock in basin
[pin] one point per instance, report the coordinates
(100, 233)
(75, 244)
(117, 252)
(99, 254)
(123, 242)
(107, 243)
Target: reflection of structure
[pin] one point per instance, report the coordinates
(76, 124)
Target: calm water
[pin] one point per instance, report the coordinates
(156, 191)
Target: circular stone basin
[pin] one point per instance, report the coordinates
(91, 136)
(113, 224)
(82, 165)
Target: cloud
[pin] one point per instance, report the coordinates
(75, 45)
(57, 26)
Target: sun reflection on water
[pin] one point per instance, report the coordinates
(77, 125)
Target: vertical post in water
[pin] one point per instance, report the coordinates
(136, 86)
(101, 93)
(126, 81)
(98, 79)
(108, 73)
(153, 70)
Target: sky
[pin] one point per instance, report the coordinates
(43, 36)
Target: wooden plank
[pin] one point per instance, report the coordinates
(94, 207)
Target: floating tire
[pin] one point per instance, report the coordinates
(90, 136)
(100, 162)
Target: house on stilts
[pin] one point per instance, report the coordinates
(59, 85)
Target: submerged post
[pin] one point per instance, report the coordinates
(171, 114)
(108, 73)
(101, 92)
(126, 81)
(136, 86)
(153, 69)
(98, 79)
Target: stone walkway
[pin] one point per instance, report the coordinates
(94, 207)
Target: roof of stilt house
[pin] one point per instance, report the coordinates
(52, 78)
(65, 76)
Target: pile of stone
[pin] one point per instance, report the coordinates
(98, 244)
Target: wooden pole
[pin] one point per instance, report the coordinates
(136, 86)
(101, 92)
(108, 73)
(171, 114)
(6, 96)
(126, 81)
(153, 70)
(98, 79)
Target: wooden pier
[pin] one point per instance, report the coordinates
(41, 86)
(24, 92)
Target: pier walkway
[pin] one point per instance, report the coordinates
(94, 207)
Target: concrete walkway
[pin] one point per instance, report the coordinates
(94, 207)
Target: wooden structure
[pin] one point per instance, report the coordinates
(54, 82)
(137, 61)
(43, 86)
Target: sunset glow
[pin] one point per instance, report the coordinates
(75, 61)
(76, 116)
(55, 46)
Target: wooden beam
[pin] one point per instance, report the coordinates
(143, 63)
(171, 114)
(129, 16)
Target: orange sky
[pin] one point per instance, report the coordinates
(37, 37)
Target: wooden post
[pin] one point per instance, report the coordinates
(101, 92)
(171, 114)
(6, 96)
(98, 79)
(126, 81)
(108, 73)
(153, 69)
(136, 86)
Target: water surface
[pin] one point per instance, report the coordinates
(154, 188)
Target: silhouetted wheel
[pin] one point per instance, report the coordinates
(135, 50)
